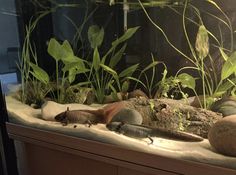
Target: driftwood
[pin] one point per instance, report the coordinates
(174, 115)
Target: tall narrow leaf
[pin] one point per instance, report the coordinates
(153, 64)
(96, 59)
(117, 57)
(129, 71)
(223, 54)
(128, 34)
(229, 67)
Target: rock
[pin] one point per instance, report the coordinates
(137, 93)
(222, 136)
(226, 106)
(130, 116)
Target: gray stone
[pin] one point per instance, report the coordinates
(222, 136)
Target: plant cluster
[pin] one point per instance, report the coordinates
(212, 86)
(100, 70)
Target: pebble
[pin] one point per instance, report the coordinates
(222, 136)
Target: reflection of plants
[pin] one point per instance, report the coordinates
(210, 86)
(26, 66)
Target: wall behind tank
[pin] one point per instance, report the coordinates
(9, 36)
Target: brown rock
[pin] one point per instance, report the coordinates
(222, 136)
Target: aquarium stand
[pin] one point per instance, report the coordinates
(45, 152)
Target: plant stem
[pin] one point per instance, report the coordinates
(57, 81)
(203, 83)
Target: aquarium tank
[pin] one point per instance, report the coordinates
(143, 69)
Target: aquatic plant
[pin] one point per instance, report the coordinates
(35, 77)
(103, 76)
(211, 87)
(26, 66)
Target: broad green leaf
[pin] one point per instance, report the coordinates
(187, 80)
(67, 52)
(125, 86)
(202, 42)
(128, 34)
(96, 59)
(223, 54)
(224, 87)
(72, 75)
(55, 49)
(39, 73)
(67, 48)
(71, 59)
(229, 67)
(79, 66)
(117, 57)
(95, 36)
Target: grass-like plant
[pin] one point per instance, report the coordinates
(34, 77)
(103, 76)
(211, 87)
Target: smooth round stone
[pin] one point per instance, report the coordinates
(222, 136)
(129, 116)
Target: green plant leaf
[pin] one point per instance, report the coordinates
(67, 49)
(128, 71)
(108, 69)
(224, 87)
(72, 75)
(117, 57)
(187, 80)
(39, 73)
(223, 54)
(128, 34)
(136, 80)
(125, 86)
(55, 49)
(229, 67)
(67, 52)
(113, 73)
(96, 59)
(79, 66)
(202, 42)
(95, 36)
(153, 64)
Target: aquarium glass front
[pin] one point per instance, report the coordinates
(156, 76)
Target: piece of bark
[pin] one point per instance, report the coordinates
(174, 115)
